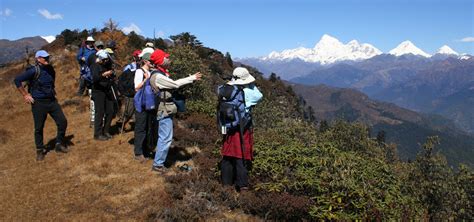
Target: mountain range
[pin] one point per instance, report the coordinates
(444, 87)
(401, 126)
(442, 83)
(330, 50)
(15, 50)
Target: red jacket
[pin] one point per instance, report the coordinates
(231, 146)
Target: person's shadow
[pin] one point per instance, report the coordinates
(176, 154)
(67, 142)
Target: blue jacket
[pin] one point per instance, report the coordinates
(252, 96)
(132, 66)
(84, 52)
(43, 87)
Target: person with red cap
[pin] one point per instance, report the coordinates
(167, 108)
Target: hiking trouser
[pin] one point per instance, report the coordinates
(104, 111)
(165, 136)
(40, 109)
(233, 172)
(128, 109)
(83, 85)
(145, 132)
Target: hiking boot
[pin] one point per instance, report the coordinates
(108, 135)
(140, 158)
(159, 169)
(40, 155)
(101, 138)
(60, 148)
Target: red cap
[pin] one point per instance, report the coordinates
(136, 53)
(158, 56)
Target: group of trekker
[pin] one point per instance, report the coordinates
(147, 92)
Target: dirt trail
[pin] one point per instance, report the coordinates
(95, 181)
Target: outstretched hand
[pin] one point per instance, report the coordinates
(198, 75)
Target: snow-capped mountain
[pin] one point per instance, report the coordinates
(328, 50)
(408, 47)
(49, 38)
(446, 50)
(464, 56)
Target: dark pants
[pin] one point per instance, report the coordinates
(83, 85)
(145, 132)
(40, 109)
(128, 109)
(104, 111)
(233, 172)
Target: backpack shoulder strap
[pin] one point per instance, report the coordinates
(37, 72)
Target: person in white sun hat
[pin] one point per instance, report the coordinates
(237, 147)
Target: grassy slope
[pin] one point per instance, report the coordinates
(96, 180)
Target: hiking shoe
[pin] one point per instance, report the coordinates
(243, 190)
(40, 155)
(60, 148)
(108, 135)
(101, 138)
(140, 158)
(159, 169)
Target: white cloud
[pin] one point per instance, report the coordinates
(6, 12)
(467, 39)
(130, 28)
(45, 13)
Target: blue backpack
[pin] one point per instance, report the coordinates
(86, 73)
(85, 70)
(145, 98)
(231, 114)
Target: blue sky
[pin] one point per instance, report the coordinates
(255, 28)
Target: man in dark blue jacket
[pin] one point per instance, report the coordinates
(82, 55)
(42, 97)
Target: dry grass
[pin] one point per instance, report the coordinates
(95, 181)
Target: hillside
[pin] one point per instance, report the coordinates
(299, 173)
(15, 50)
(411, 82)
(403, 127)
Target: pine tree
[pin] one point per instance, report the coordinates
(381, 137)
(228, 59)
(323, 126)
(186, 38)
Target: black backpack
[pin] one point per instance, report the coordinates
(35, 84)
(126, 85)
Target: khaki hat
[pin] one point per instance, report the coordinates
(241, 76)
(150, 44)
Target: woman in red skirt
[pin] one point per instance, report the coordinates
(234, 164)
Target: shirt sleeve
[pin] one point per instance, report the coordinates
(138, 77)
(164, 82)
(252, 96)
(27, 75)
(79, 54)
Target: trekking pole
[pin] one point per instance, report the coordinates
(127, 103)
(241, 136)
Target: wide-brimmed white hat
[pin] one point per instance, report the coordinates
(102, 54)
(241, 76)
(90, 39)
